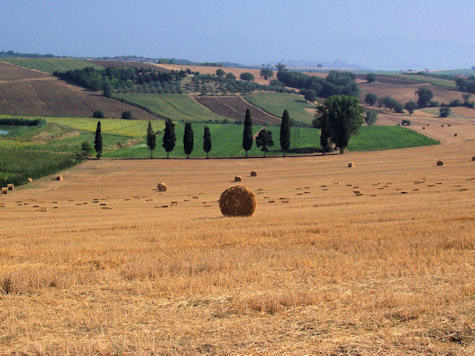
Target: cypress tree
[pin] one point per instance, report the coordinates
(324, 134)
(206, 141)
(247, 134)
(169, 138)
(285, 133)
(98, 141)
(151, 138)
(188, 139)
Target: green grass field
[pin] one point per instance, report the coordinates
(226, 141)
(51, 65)
(276, 103)
(445, 83)
(178, 107)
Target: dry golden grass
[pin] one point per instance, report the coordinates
(377, 259)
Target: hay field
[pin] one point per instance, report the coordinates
(376, 259)
(404, 91)
(212, 70)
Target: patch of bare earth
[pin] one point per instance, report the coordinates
(374, 259)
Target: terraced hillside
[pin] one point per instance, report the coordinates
(235, 107)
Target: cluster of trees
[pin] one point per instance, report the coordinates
(466, 84)
(112, 78)
(225, 83)
(98, 114)
(334, 84)
(22, 122)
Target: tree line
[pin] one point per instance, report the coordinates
(339, 117)
(336, 83)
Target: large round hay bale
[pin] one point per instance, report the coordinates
(60, 178)
(253, 174)
(455, 134)
(473, 158)
(237, 178)
(4, 190)
(351, 164)
(162, 187)
(440, 163)
(11, 186)
(237, 200)
(29, 180)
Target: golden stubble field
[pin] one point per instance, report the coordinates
(375, 259)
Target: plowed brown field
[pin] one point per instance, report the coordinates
(29, 92)
(375, 259)
(235, 107)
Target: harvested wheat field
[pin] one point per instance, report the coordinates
(375, 259)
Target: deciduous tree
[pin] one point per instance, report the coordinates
(264, 140)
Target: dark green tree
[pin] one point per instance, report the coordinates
(126, 115)
(444, 111)
(309, 94)
(98, 114)
(169, 137)
(425, 96)
(247, 76)
(410, 106)
(247, 133)
(264, 140)
(324, 132)
(98, 141)
(107, 88)
(285, 133)
(370, 99)
(206, 141)
(188, 139)
(344, 116)
(466, 97)
(371, 77)
(266, 73)
(220, 73)
(230, 76)
(86, 150)
(371, 117)
(151, 139)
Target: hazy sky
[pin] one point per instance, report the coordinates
(379, 34)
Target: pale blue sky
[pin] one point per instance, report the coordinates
(379, 34)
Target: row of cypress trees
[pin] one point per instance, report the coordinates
(263, 138)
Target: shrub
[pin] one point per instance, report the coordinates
(127, 115)
(98, 114)
(247, 76)
(371, 117)
(444, 111)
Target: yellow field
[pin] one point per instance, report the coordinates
(376, 259)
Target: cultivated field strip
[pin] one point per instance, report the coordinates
(374, 259)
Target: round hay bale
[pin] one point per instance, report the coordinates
(351, 164)
(162, 187)
(440, 163)
(455, 134)
(237, 178)
(4, 190)
(11, 186)
(473, 158)
(29, 180)
(253, 174)
(59, 178)
(237, 200)
(423, 127)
